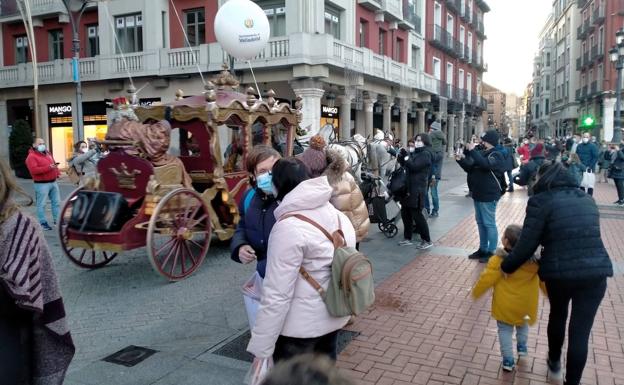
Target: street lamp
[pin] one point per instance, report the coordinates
(616, 55)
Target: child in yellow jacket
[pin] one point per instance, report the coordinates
(515, 299)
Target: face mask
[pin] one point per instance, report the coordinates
(585, 140)
(411, 149)
(526, 142)
(265, 183)
(84, 150)
(419, 144)
(41, 148)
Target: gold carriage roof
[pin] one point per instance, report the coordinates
(221, 101)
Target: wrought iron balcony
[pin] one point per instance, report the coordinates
(579, 63)
(480, 29)
(599, 14)
(453, 5)
(594, 88)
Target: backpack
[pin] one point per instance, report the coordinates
(248, 198)
(500, 176)
(72, 174)
(397, 184)
(351, 289)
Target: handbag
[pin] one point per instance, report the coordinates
(252, 293)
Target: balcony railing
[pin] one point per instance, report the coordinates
(474, 21)
(283, 52)
(597, 53)
(584, 92)
(586, 61)
(579, 63)
(443, 40)
(454, 5)
(480, 29)
(594, 88)
(411, 16)
(599, 14)
(578, 94)
(394, 8)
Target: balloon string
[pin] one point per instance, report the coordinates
(254, 79)
(188, 43)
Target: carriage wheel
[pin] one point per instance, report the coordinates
(178, 235)
(85, 258)
(381, 226)
(391, 230)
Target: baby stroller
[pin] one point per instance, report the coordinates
(379, 205)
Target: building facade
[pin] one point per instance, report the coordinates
(543, 64)
(364, 61)
(455, 37)
(495, 114)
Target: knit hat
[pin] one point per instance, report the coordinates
(491, 137)
(436, 126)
(314, 156)
(538, 150)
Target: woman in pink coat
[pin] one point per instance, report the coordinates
(293, 318)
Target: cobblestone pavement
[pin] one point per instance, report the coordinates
(425, 328)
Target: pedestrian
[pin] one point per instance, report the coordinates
(44, 170)
(574, 166)
(604, 162)
(524, 151)
(616, 170)
(510, 162)
(438, 143)
(569, 143)
(551, 149)
(83, 163)
(588, 153)
(36, 346)
(346, 194)
(576, 140)
(528, 171)
(565, 223)
(417, 160)
(293, 318)
(515, 298)
(485, 166)
(306, 369)
(256, 209)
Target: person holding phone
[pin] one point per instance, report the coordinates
(44, 171)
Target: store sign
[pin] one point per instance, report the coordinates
(147, 102)
(329, 112)
(60, 110)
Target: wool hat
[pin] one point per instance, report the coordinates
(538, 150)
(491, 136)
(436, 126)
(314, 157)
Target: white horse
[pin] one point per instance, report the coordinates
(380, 161)
(354, 151)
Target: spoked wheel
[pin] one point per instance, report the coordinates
(390, 230)
(84, 257)
(382, 227)
(178, 235)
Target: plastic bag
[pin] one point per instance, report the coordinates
(258, 370)
(589, 180)
(252, 293)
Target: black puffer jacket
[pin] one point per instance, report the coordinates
(418, 165)
(566, 223)
(482, 167)
(528, 171)
(616, 169)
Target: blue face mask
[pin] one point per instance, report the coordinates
(265, 183)
(41, 148)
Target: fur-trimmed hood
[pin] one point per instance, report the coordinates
(336, 166)
(501, 253)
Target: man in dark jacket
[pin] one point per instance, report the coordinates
(574, 263)
(485, 166)
(438, 141)
(588, 153)
(510, 161)
(552, 149)
(528, 171)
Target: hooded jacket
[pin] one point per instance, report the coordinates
(515, 296)
(346, 195)
(482, 167)
(40, 166)
(566, 223)
(290, 306)
(418, 164)
(438, 140)
(616, 169)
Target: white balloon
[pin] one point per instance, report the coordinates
(242, 28)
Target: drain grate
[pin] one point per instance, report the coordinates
(130, 356)
(236, 348)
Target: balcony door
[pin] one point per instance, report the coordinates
(437, 14)
(470, 46)
(469, 85)
(437, 70)
(449, 24)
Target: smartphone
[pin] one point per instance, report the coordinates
(57, 163)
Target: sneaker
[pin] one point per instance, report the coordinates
(423, 245)
(476, 255)
(485, 257)
(522, 350)
(554, 369)
(46, 226)
(406, 242)
(508, 364)
(434, 214)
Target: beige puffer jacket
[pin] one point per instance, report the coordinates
(346, 195)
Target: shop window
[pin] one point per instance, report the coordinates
(195, 20)
(332, 21)
(93, 40)
(55, 42)
(21, 49)
(129, 30)
(276, 13)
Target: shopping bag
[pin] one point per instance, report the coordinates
(258, 370)
(589, 180)
(252, 293)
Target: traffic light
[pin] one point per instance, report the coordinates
(588, 122)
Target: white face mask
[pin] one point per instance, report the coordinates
(526, 142)
(411, 149)
(419, 144)
(84, 150)
(585, 140)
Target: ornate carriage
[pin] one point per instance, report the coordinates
(211, 136)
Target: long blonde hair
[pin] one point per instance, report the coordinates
(8, 187)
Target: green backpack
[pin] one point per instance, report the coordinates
(351, 288)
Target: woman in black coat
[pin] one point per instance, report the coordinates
(616, 171)
(574, 263)
(417, 160)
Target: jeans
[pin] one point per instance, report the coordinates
(619, 185)
(485, 214)
(505, 337)
(411, 215)
(288, 347)
(435, 199)
(585, 296)
(510, 177)
(44, 191)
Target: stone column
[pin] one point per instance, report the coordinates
(421, 120)
(460, 128)
(404, 110)
(345, 116)
(311, 93)
(450, 127)
(369, 105)
(360, 122)
(608, 116)
(4, 132)
(387, 116)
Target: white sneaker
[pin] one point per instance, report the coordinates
(423, 245)
(406, 242)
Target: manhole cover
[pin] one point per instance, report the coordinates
(130, 356)
(236, 348)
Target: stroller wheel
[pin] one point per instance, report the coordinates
(382, 227)
(391, 230)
